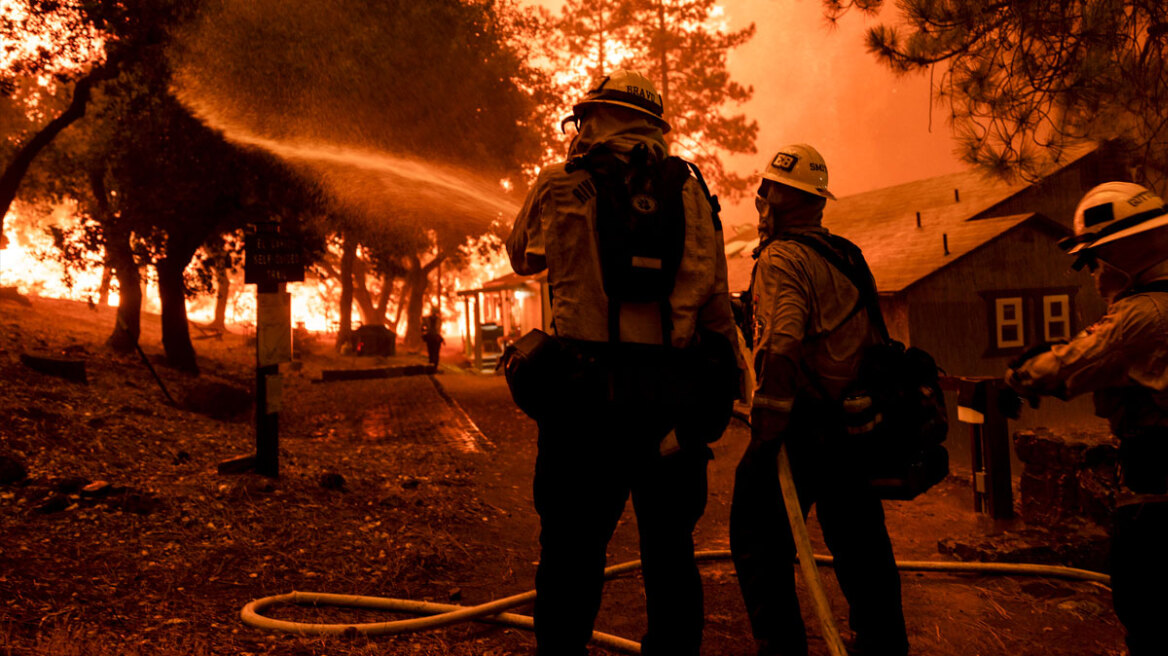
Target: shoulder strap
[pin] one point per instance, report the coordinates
(1154, 286)
(854, 267)
(715, 206)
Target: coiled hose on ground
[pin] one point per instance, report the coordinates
(440, 615)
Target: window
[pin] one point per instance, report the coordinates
(1010, 329)
(1056, 317)
(1018, 318)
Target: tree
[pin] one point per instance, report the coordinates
(89, 42)
(1026, 80)
(408, 113)
(681, 45)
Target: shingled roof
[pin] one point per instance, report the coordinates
(883, 223)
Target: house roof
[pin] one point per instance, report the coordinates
(883, 223)
(508, 281)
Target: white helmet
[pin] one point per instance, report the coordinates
(799, 166)
(1113, 211)
(626, 88)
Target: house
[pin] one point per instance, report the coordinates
(501, 311)
(968, 268)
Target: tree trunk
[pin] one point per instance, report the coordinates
(383, 300)
(361, 293)
(176, 333)
(416, 280)
(401, 302)
(107, 274)
(127, 328)
(14, 173)
(348, 254)
(119, 256)
(222, 293)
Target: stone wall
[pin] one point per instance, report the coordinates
(1067, 476)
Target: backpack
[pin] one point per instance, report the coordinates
(894, 411)
(640, 228)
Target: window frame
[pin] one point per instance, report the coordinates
(1033, 319)
(1065, 318)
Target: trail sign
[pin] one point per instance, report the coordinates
(269, 257)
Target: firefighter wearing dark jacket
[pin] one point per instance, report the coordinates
(808, 334)
(617, 433)
(1121, 234)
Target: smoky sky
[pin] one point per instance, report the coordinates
(818, 85)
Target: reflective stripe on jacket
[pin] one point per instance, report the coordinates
(804, 314)
(1122, 358)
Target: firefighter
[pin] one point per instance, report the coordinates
(432, 336)
(614, 430)
(809, 327)
(1121, 235)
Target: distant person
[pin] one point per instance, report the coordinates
(809, 328)
(641, 315)
(1121, 235)
(432, 336)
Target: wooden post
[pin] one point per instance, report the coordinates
(996, 450)
(267, 420)
(478, 336)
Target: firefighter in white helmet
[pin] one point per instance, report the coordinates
(640, 312)
(809, 327)
(1121, 235)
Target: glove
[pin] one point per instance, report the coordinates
(1032, 352)
(1009, 403)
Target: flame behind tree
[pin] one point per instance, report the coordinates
(67, 48)
(1025, 80)
(682, 46)
(407, 112)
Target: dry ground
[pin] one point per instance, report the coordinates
(374, 498)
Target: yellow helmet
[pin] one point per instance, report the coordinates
(1113, 211)
(626, 88)
(799, 166)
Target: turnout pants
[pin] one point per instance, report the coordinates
(1139, 545)
(590, 461)
(852, 519)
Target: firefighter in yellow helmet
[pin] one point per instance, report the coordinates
(642, 373)
(809, 325)
(1121, 235)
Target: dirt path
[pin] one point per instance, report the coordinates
(385, 489)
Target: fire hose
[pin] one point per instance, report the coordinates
(437, 615)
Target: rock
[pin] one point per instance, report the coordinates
(332, 481)
(12, 469)
(220, 401)
(455, 594)
(410, 483)
(53, 365)
(71, 484)
(181, 458)
(96, 490)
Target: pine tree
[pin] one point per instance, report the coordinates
(681, 45)
(1025, 80)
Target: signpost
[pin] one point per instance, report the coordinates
(270, 260)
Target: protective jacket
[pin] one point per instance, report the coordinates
(1122, 358)
(806, 323)
(556, 231)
